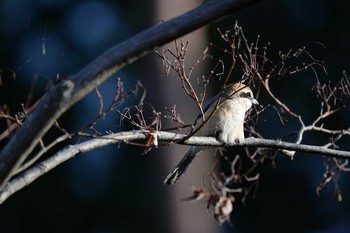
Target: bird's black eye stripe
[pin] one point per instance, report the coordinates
(246, 94)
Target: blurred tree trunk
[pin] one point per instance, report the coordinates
(185, 217)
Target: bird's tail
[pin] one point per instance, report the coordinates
(182, 166)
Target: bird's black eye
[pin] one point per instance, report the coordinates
(246, 94)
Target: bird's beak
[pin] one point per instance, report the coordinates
(254, 101)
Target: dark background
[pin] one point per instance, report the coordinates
(115, 189)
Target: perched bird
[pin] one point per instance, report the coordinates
(224, 116)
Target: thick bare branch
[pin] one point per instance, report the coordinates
(69, 152)
(69, 90)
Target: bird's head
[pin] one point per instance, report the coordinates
(241, 93)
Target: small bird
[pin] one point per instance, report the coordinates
(224, 116)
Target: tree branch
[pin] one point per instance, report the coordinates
(69, 90)
(71, 151)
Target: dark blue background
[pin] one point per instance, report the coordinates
(107, 191)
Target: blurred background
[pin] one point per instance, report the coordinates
(117, 189)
